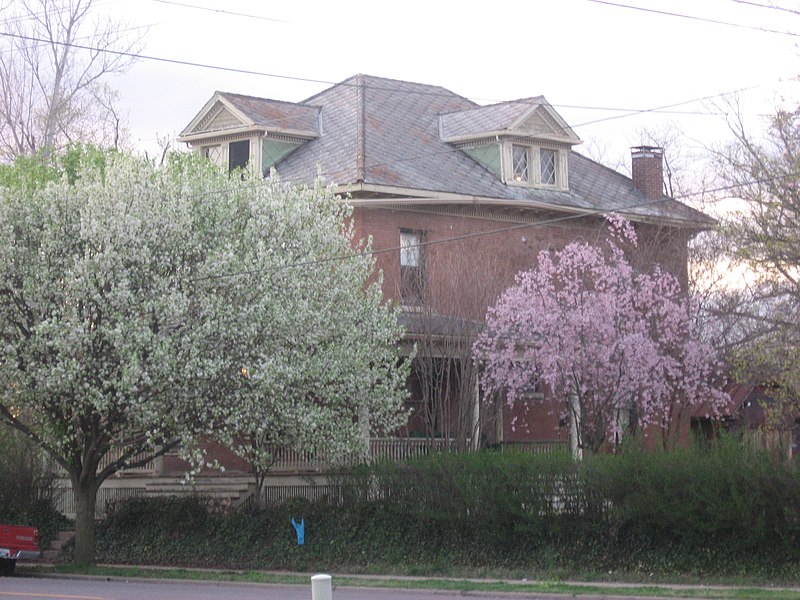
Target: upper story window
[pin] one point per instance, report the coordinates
(232, 155)
(547, 162)
(532, 165)
(520, 157)
(238, 154)
(412, 267)
(214, 154)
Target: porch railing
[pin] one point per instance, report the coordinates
(65, 502)
(545, 447)
(396, 449)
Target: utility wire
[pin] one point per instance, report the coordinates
(667, 106)
(693, 18)
(219, 10)
(333, 83)
(768, 6)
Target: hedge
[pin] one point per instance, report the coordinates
(729, 509)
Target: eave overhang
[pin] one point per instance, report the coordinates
(246, 131)
(399, 198)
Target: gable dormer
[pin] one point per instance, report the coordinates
(523, 142)
(236, 131)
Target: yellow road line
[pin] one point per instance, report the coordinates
(68, 596)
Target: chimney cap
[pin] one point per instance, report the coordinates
(646, 152)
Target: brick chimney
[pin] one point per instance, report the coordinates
(648, 171)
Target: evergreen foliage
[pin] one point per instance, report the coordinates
(727, 510)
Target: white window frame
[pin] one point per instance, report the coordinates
(520, 176)
(216, 153)
(412, 267)
(221, 146)
(534, 179)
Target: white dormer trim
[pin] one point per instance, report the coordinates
(504, 120)
(531, 124)
(534, 177)
(561, 132)
(215, 105)
(198, 128)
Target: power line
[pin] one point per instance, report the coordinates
(768, 6)
(693, 18)
(186, 63)
(632, 111)
(667, 106)
(219, 10)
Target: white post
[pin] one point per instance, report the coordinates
(321, 587)
(575, 417)
(476, 418)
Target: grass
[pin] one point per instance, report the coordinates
(424, 583)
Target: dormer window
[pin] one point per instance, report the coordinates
(532, 165)
(214, 154)
(521, 160)
(547, 162)
(238, 154)
(233, 155)
(524, 143)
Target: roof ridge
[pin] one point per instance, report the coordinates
(262, 98)
(361, 124)
(530, 101)
(363, 80)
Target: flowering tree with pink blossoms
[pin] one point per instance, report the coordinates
(606, 341)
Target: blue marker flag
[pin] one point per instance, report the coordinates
(300, 530)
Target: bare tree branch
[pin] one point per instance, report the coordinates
(52, 92)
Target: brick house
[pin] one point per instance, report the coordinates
(760, 414)
(457, 198)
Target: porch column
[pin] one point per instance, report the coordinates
(476, 417)
(574, 426)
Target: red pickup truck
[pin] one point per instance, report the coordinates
(16, 542)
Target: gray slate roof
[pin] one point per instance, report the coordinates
(274, 114)
(495, 117)
(386, 132)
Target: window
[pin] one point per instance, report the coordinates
(532, 165)
(238, 154)
(214, 154)
(547, 162)
(520, 160)
(412, 268)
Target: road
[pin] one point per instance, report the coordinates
(97, 588)
(37, 588)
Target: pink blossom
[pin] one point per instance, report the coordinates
(592, 328)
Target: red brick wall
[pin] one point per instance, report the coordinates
(454, 267)
(464, 277)
(534, 419)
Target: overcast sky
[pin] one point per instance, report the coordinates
(577, 53)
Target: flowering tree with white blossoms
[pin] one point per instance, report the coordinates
(141, 307)
(605, 340)
(325, 371)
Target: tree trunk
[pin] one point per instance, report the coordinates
(575, 422)
(85, 501)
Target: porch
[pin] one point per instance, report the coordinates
(293, 474)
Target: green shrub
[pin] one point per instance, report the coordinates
(726, 509)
